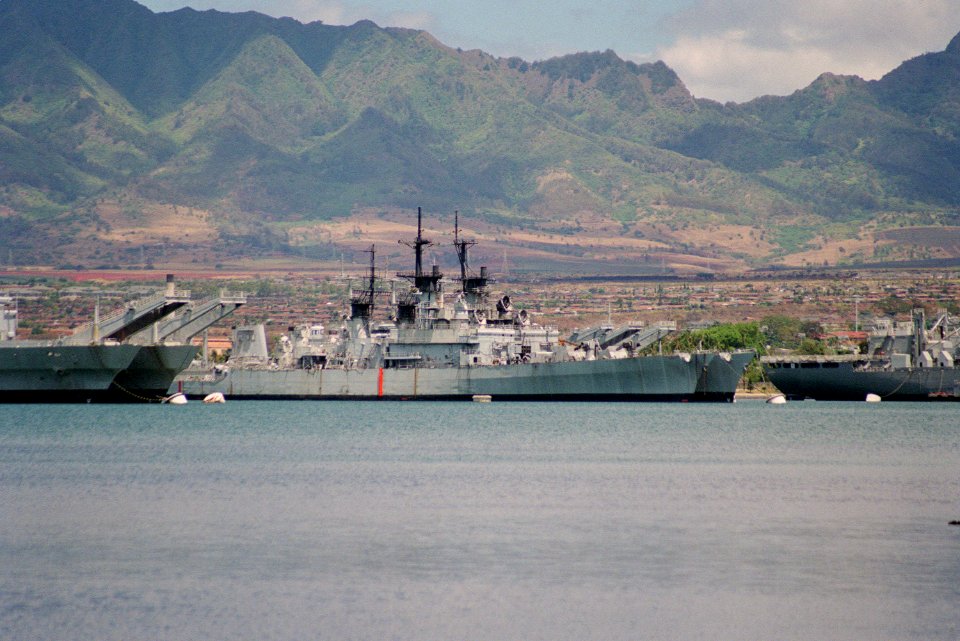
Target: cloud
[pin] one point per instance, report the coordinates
(739, 49)
(312, 10)
(340, 13)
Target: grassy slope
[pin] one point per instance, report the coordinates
(74, 134)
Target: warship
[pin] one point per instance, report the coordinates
(460, 345)
(904, 361)
(130, 355)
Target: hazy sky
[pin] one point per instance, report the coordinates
(721, 49)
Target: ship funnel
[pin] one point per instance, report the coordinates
(171, 285)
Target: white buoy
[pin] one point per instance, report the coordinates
(872, 398)
(176, 399)
(214, 397)
(778, 399)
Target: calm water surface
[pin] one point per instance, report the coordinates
(260, 520)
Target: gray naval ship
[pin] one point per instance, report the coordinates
(461, 345)
(129, 355)
(904, 361)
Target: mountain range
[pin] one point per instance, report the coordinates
(128, 136)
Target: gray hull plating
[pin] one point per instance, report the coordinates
(151, 373)
(693, 377)
(55, 373)
(844, 381)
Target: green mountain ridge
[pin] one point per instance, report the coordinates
(104, 104)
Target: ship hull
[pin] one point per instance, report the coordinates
(61, 373)
(151, 373)
(845, 381)
(649, 378)
(724, 372)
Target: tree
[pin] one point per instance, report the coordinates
(811, 347)
(725, 338)
(780, 330)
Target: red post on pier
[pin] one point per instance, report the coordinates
(380, 382)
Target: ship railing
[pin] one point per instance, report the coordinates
(232, 297)
(402, 361)
(814, 358)
(83, 332)
(189, 321)
(149, 301)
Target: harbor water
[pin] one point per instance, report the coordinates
(436, 521)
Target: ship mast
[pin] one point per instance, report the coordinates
(418, 245)
(423, 282)
(475, 285)
(371, 287)
(462, 248)
(361, 305)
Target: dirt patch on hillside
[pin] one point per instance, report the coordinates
(738, 239)
(153, 223)
(586, 240)
(832, 252)
(358, 230)
(499, 244)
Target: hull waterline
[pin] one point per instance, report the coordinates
(843, 381)
(61, 373)
(151, 373)
(679, 378)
